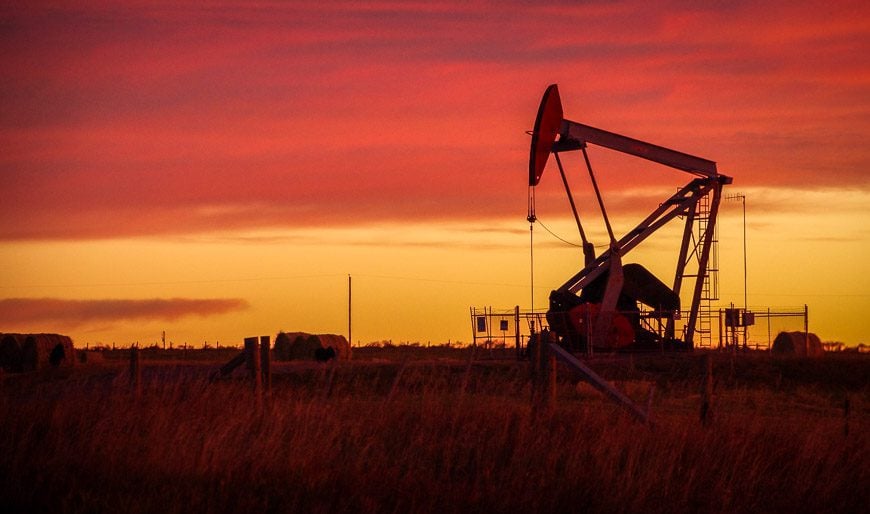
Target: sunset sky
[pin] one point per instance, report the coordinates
(217, 170)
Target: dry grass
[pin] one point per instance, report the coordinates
(333, 442)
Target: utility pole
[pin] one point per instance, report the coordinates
(349, 324)
(742, 198)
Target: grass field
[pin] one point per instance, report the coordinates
(422, 431)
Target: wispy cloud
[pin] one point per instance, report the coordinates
(23, 312)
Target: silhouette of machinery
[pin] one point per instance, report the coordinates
(613, 306)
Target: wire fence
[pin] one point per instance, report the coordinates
(730, 327)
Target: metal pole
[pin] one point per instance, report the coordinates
(488, 326)
(745, 294)
(598, 196)
(588, 257)
(532, 261)
(742, 198)
(471, 311)
(531, 219)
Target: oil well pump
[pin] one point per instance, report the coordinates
(607, 304)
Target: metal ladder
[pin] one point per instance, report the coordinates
(710, 287)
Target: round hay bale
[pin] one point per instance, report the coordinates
(57, 355)
(308, 348)
(42, 350)
(338, 343)
(11, 358)
(282, 347)
(799, 344)
(29, 353)
(303, 346)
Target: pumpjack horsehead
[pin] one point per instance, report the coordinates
(599, 305)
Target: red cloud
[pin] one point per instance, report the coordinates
(143, 120)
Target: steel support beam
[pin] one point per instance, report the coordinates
(573, 131)
(681, 265)
(599, 383)
(678, 205)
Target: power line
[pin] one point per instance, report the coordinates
(437, 280)
(556, 236)
(259, 279)
(564, 240)
(172, 282)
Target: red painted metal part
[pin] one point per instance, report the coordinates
(620, 334)
(547, 126)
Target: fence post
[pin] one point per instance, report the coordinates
(265, 363)
(847, 407)
(534, 364)
(517, 331)
(549, 372)
(649, 402)
(252, 361)
(806, 331)
(543, 367)
(135, 372)
(707, 392)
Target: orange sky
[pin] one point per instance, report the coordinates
(217, 171)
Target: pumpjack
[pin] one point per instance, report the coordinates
(608, 305)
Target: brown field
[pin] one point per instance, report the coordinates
(787, 436)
